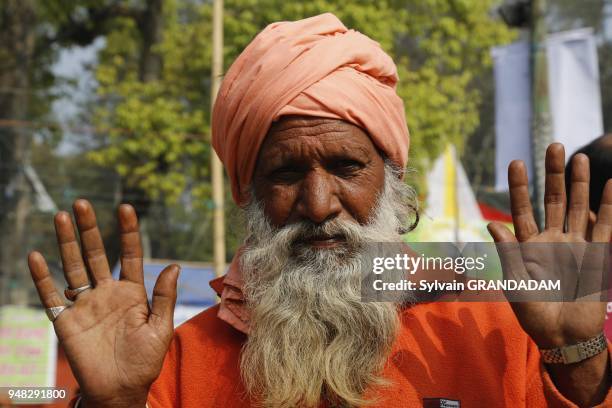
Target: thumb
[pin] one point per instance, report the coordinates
(510, 256)
(500, 233)
(164, 294)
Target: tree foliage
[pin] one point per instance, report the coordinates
(159, 131)
(31, 36)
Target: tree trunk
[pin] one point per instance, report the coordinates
(150, 26)
(17, 42)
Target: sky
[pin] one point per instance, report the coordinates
(72, 64)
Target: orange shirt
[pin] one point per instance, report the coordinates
(475, 354)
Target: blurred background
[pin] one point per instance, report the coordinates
(110, 100)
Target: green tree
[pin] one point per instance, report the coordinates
(155, 127)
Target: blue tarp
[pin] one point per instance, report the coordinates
(193, 287)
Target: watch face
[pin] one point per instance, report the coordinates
(572, 354)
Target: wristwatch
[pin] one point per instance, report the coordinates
(575, 352)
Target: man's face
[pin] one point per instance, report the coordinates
(316, 170)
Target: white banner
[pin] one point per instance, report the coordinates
(574, 94)
(512, 109)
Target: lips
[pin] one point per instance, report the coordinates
(324, 241)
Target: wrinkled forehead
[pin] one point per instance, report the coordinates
(308, 136)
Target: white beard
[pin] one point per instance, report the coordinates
(311, 336)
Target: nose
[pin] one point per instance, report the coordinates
(318, 200)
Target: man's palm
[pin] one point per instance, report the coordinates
(114, 341)
(555, 249)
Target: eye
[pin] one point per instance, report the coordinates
(346, 167)
(285, 174)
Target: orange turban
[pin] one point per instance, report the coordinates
(312, 67)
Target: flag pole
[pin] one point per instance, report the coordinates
(541, 127)
(216, 166)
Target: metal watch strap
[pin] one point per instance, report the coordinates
(575, 352)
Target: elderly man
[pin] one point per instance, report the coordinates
(313, 138)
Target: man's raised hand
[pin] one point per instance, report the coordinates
(559, 324)
(114, 341)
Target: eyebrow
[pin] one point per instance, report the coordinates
(279, 156)
(359, 151)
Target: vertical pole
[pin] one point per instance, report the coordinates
(455, 189)
(541, 128)
(216, 167)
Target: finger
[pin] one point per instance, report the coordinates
(591, 225)
(554, 190)
(72, 260)
(500, 233)
(578, 213)
(131, 250)
(48, 294)
(91, 241)
(522, 213)
(510, 256)
(602, 231)
(164, 295)
(509, 251)
(592, 272)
